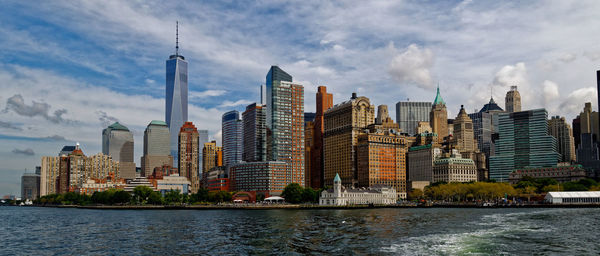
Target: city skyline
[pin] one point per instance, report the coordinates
(42, 105)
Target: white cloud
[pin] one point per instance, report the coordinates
(413, 65)
(228, 103)
(567, 57)
(207, 93)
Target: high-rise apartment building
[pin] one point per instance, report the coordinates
(176, 103)
(561, 130)
(409, 114)
(513, 100)
(232, 137)
(324, 102)
(189, 153)
(117, 142)
(523, 142)
(343, 123)
(285, 123)
(212, 156)
(50, 172)
(438, 117)
(255, 133)
(157, 147)
(309, 129)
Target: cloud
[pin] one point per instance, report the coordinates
(413, 65)
(26, 152)
(105, 119)
(207, 93)
(510, 75)
(18, 105)
(55, 138)
(550, 92)
(567, 57)
(228, 103)
(574, 102)
(8, 125)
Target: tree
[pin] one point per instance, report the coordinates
(141, 194)
(310, 195)
(155, 198)
(292, 193)
(415, 194)
(173, 197)
(121, 197)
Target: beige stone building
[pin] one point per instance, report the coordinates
(454, 169)
(189, 153)
(464, 139)
(212, 156)
(438, 117)
(513, 100)
(50, 170)
(343, 123)
(561, 130)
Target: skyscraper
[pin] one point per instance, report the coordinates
(212, 156)
(255, 133)
(343, 123)
(463, 132)
(232, 137)
(30, 186)
(157, 147)
(513, 100)
(523, 142)
(285, 123)
(189, 152)
(324, 102)
(176, 104)
(485, 124)
(559, 129)
(438, 117)
(202, 138)
(117, 142)
(409, 114)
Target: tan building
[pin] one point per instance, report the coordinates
(454, 169)
(438, 117)
(513, 100)
(343, 123)
(212, 156)
(561, 130)
(424, 127)
(464, 139)
(189, 155)
(381, 155)
(50, 171)
(309, 129)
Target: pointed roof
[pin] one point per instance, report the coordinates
(491, 106)
(438, 98)
(118, 126)
(337, 178)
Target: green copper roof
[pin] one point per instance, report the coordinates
(118, 126)
(337, 178)
(158, 122)
(419, 147)
(438, 98)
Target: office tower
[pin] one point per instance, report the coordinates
(202, 138)
(117, 142)
(410, 114)
(324, 102)
(438, 117)
(157, 147)
(263, 94)
(285, 123)
(212, 156)
(30, 186)
(420, 162)
(513, 100)
(176, 103)
(588, 121)
(255, 133)
(485, 124)
(464, 138)
(232, 137)
(189, 153)
(309, 129)
(523, 142)
(577, 131)
(381, 154)
(588, 150)
(559, 129)
(343, 123)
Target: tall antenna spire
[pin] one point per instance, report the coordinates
(177, 38)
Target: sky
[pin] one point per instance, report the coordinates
(70, 68)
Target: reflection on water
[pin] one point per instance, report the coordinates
(40, 231)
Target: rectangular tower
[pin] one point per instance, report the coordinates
(189, 161)
(176, 102)
(409, 114)
(254, 133)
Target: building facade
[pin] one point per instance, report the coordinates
(254, 133)
(30, 186)
(212, 156)
(232, 137)
(420, 162)
(189, 153)
(50, 172)
(117, 142)
(523, 141)
(454, 169)
(157, 147)
(561, 173)
(409, 114)
(463, 135)
(285, 123)
(324, 102)
(340, 196)
(343, 123)
(561, 130)
(267, 178)
(176, 103)
(513, 100)
(438, 117)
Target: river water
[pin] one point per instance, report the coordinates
(439, 231)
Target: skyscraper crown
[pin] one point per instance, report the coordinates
(438, 98)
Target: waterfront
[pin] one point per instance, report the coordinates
(439, 231)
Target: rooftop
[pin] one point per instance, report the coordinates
(574, 194)
(158, 122)
(491, 106)
(118, 126)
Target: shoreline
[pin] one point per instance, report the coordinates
(302, 207)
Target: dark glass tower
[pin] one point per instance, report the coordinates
(176, 103)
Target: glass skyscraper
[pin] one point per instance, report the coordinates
(232, 137)
(176, 97)
(409, 114)
(523, 142)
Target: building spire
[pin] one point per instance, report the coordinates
(177, 38)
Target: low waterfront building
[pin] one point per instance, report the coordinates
(99, 185)
(573, 197)
(268, 178)
(172, 182)
(340, 196)
(454, 169)
(559, 173)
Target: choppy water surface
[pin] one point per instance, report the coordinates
(42, 231)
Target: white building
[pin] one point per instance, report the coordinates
(573, 197)
(377, 195)
(173, 182)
